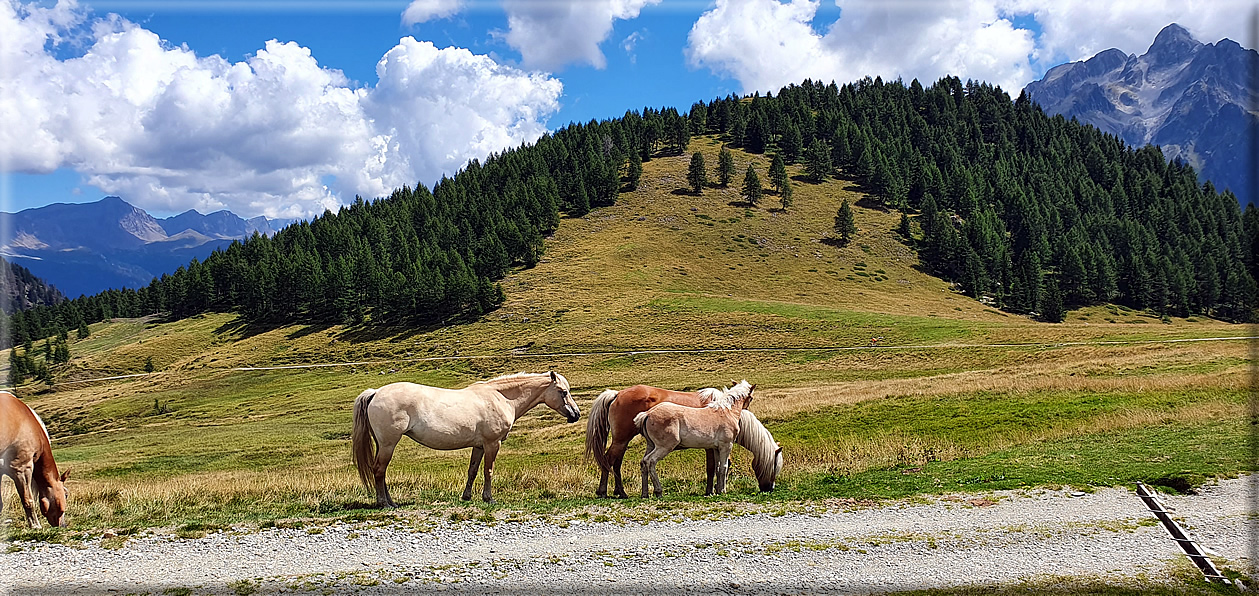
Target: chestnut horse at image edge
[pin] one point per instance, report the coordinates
(26, 457)
(612, 417)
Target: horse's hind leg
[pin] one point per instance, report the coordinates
(473, 467)
(710, 468)
(616, 453)
(384, 453)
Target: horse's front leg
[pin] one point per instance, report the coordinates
(491, 452)
(723, 467)
(473, 467)
(22, 482)
(710, 468)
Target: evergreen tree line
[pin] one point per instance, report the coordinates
(1029, 212)
(415, 256)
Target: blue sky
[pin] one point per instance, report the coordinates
(178, 105)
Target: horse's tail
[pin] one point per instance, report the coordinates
(363, 441)
(597, 429)
(640, 420)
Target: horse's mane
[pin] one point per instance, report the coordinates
(511, 376)
(754, 437)
(709, 395)
(726, 398)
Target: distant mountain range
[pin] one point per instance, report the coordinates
(1190, 98)
(84, 248)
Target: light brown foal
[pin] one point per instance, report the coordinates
(714, 427)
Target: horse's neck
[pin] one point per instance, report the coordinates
(45, 476)
(521, 392)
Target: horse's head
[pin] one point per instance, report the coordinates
(557, 397)
(52, 500)
(769, 479)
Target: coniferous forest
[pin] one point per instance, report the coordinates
(1031, 213)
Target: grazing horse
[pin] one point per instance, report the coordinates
(612, 415)
(478, 416)
(767, 455)
(26, 457)
(669, 426)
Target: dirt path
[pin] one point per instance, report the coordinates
(958, 540)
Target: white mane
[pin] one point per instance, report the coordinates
(511, 376)
(754, 437)
(725, 400)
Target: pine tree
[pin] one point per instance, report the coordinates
(817, 161)
(61, 353)
(634, 170)
(785, 196)
(148, 364)
(778, 173)
(845, 225)
(83, 331)
(792, 143)
(752, 190)
(1051, 308)
(725, 166)
(903, 229)
(697, 174)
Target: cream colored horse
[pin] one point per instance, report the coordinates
(714, 427)
(478, 416)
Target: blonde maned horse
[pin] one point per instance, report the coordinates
(714, 427)
(610, 427)
(26, 457)
(478, 416)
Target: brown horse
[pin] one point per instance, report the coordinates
(26, 457)
(714, 427)
(612, 414)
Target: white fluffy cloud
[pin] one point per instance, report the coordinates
(765, 44)
(275, 134)
(551, 33)
(422, 11)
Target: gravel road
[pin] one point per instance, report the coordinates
(964, 539)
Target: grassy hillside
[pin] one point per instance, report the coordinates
(878, 379)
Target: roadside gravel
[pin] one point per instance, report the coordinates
(964, 539)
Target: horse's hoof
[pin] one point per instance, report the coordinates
(621, 496)
(466, 498)
(490, 501)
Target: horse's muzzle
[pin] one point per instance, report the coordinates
(573, 415)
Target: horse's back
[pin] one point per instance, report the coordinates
(437, 417)
(641, 398)
(22, 434)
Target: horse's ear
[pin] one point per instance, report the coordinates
(552, 376)
(65, 475)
